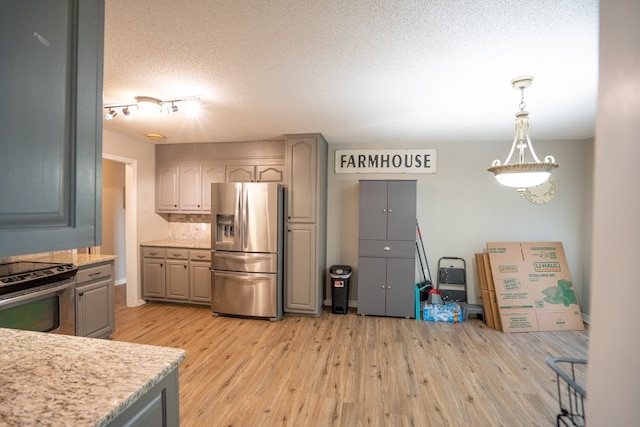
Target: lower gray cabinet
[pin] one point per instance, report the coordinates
(159, 406)
(177, 279)
(95, 304)
(200, 280)
(386, 286)
(176, 274)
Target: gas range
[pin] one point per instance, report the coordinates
(21, 275)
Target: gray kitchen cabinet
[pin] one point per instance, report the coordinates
(301, 295)
(241, 173)
(270, 173)
(167, 188)
(153, 267)
(200, 276)
(176, 274)
(190, 188)
(158, 406)
(95, 304)
(255, 173)
(306, 166)
(386, 247)
(211, 172)
(51, 121)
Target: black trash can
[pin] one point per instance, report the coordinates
(340, 277)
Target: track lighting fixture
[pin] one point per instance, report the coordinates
(110, 114)
(146, 104)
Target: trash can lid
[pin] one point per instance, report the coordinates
(340, 269)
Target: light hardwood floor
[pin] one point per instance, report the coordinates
(351, 370)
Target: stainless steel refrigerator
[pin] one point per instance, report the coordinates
(247, 244)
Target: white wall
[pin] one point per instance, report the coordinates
(151, 226)
(462, 207)
(613, 383)
(142, 221)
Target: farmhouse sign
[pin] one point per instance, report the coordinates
(386, 161)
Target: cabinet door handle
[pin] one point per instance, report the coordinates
(390, 210)
(382, 287)
(185, 266)
(81, 294)
(176, 255)
(387, 248)
(95, 274)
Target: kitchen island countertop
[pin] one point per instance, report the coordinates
(52, 380)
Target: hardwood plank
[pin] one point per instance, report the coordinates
(351, 370)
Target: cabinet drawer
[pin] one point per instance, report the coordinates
(174, 253)
(152, 252)
(387, 248)
(200, 255)
(94, 273)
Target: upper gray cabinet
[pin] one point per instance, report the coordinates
(51, 124)
(302, 164)
(185, 172)
(256, 173)
(186, 186)
(388, 213)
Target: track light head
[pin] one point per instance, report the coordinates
(110, 114)
(126, 112)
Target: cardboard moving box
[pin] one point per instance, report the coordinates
(533, 287)
(487, 292)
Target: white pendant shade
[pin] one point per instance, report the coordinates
(522, 179)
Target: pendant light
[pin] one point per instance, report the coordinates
(522, 174)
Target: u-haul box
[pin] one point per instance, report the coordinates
(533, 278)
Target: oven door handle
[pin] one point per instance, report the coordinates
(61, 286)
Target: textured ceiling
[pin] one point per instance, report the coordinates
(358, 71)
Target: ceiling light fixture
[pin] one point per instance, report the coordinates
(147, 104)
(110, 114)
(522, 174)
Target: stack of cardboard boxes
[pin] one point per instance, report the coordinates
(527, 287)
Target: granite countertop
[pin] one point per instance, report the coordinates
(180, 243)
(61, 380)
(75, 259)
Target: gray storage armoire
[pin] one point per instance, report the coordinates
(387, 248)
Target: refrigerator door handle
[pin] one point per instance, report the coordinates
(244, 276)
(245, 217)
(240, 219)
(243, 256)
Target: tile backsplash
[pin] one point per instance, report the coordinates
(190, 226)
